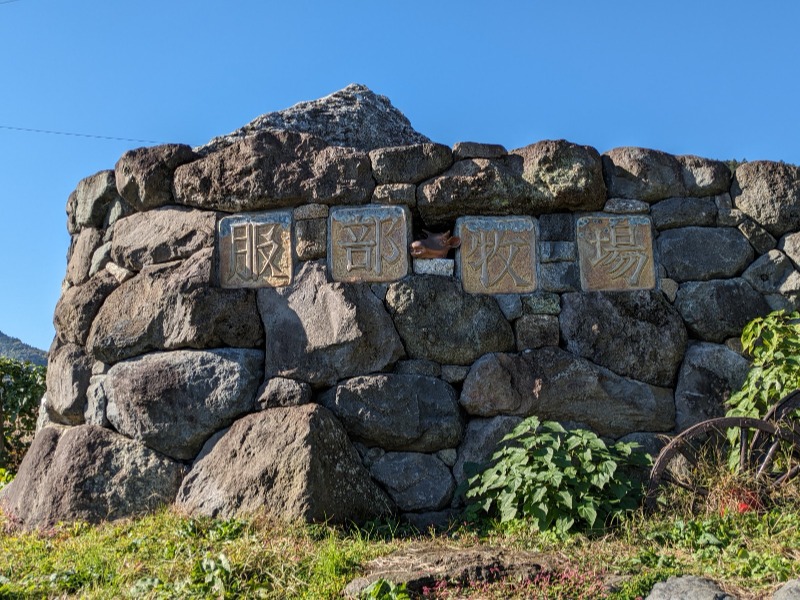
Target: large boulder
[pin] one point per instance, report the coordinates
(409, 164)
(68, 373)
(688, 586)
(769, 193)
(398, 412)
(174, 305)
(91, 201)
(642, 174)
(719, 309)
(704, 176)
(555, 385)
(618, 331)
(81, 251)
(289, 463)
(79, 305)
(87, 473)
(161, 235)
(684, 212)
(709, 375)
(174, 401)
(416, 482)
(354, 116)
(273, 170)
(320, 332)
(703, 253)
(144, 175)
(773, 274)
(439, 321)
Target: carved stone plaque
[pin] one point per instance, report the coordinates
(497, 254)
(368, 243)
(616, 253)
(255, 250)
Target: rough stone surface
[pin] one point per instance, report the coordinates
(684, 212)
(80, 255)
(454, 373)
(87, 473)
(275, 170)
(174, 401)
(727, 216)
(418, 366)
(395, 193)
(773, 273)
(79, 305)
(557, 252)
(68, 373)
(685, 253)
(788, 591)
(320, 332)
(510, 305)
(617, 331)
(703, 176)
(688, 586)
(478, 150)
(759, 238)
(559, 227)
(174, 305)
(96, 401)
(535, 331)
(669, 287)
(397, 412)
(93, 197)
(642, 174)
(100, 258)
(559, 277)
(120, 274)
(145, 175)
(769, 193)
(481, 437)
(282, 392)
(541, 303)
(542, 382)
(354, 116)
(311, 211)
(708, 376)
(718, 309)
(161, 235)
(311, 238)
(409, 164)
(290, 463)
(625, 206)
(440, 322)
(415, 482)
(440, 267)
(790, 245)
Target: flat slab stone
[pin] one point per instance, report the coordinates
(255, 250)
(444, 267)
(616, 253)
(498, 254)
(368, 243)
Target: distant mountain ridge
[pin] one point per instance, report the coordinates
(19, 350)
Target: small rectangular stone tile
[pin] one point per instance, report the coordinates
(255, 250)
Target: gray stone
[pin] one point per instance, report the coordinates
(788, 591)
(448, 456)
(88, 474)
(715, 310)
(759, 238)
(93, 197)
(68, 373)
(409, 164)
(440, 322)
(171, 306)
(418, 366)
(282, 392)
(684, 212)
(626, 206)
(100, 258)
(617, 331)
(287, 463)
(368, 455)
(559, 227)
(510, 304)
(120, 274)
(395, 193)
(642, 174)
(310, 211)
(773, 273)
(649, 443)
(709, 375)
(440, 267)
(275, 170)
(541, 303)
(478, 150)
(542, 383)
(161, 235)
(118, 210)
(145, 175)
(686, 255)
(481, 439)
(559, 277)
(535, 331)
(96, 401)
(174, 401)
(354, 116)
(80, 255)
(454, 373)
(703, 176)
(320, 332)
(79, 305)
(769, 193)
(397, 412)
(416, 482)
(557, 251)
(669, 287)
(688, 586)
(311, 239)
(379, 289)
(790, 245)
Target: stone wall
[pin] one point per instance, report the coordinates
(243, 328)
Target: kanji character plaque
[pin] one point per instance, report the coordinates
(255, 250)
(497, 254)
(615, 253)
(368, 243)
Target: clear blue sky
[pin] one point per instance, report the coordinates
(717, 79)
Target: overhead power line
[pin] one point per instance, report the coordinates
(8, 1)
(86, 135)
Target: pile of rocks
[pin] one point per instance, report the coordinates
(343, 401)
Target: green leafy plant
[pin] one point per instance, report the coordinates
(383, 589)
(558, 479)
(21, 387)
